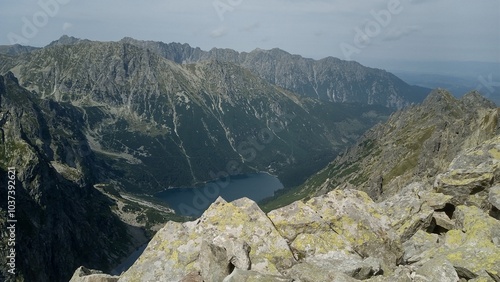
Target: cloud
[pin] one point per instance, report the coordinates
(219, 32)
(400, 32)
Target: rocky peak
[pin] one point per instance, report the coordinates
(329, 79)
(439, 98)
(66, 40)
(474, 99)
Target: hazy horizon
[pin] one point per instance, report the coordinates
(383, 30)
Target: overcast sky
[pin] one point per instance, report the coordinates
(371, 32)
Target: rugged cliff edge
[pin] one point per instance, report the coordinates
(445, 231)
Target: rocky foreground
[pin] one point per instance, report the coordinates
(448, 231)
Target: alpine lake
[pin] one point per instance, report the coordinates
(193, 201)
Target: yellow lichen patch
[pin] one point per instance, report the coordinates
(455, 256)
(477, 153)
(435, 200)
(354, 232)
(476, 259)
(461, 180)
(454, 239)
(320, 243)
(477, 226)
(495, 153)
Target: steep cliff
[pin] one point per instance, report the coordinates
(62, 221)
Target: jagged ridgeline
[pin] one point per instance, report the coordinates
(161, 124)
(328, 79)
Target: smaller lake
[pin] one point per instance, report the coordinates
(194, 201)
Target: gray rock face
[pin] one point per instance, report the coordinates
(240, 275)
(494, 196)
(438, 270)
(63, 222)
(416, 248)
(471, 173)
(417, 144)
(308, 272)
(268, 252)
(347, 221)
(214, 264)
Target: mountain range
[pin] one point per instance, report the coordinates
(90, 126)
(135, 103)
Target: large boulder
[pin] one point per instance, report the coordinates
(471, 174)
(478, 247)
(439, 270)
(311, 272)
(473, 248)
(407, 212)
(342, 220)
(419, 246)
(228, 236)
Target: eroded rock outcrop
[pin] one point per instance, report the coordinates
(229, 234)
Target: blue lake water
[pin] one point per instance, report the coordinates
(194, 201)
